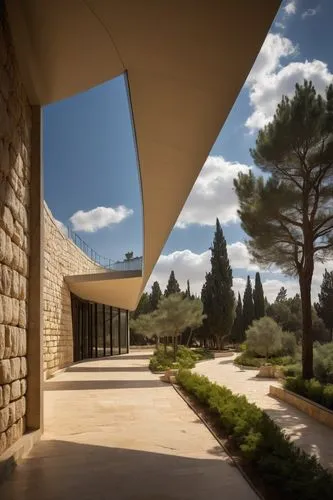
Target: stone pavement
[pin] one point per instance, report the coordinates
(306, 432)
(114, 430)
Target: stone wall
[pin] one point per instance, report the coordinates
(62, 258)
(15, 159)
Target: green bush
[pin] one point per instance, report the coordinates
(292, 370)
(186, 358)
(323, 362)
(281, 465)
(289, 344)
(264, 337)
(246, 359)
(311, 389)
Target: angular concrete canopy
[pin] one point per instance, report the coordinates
(186, 62)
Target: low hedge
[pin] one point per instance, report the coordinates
(186, 358)
(246, 359)
(282, 467)
(311, 389)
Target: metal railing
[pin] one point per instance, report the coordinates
(134, 264)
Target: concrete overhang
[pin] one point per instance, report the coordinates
(113, 288)
(185, 61)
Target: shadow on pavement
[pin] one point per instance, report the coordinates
(87, 385)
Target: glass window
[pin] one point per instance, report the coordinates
(107, 320)
(123, 331)
(115, 331)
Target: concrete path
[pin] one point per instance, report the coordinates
(306, 432)
(113, 430)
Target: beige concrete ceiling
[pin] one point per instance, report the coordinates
(186, 61)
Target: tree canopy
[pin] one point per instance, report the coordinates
(289, 215)
(155, 295)
(217, 294)
(248, 306)
(238, 332)
(324, 306)
(172, 286)
(258, 298)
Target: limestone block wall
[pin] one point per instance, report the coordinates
(15, 159)
(62, 257)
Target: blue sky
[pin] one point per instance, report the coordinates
(89, 157)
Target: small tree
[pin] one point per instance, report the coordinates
(264, 337)
(238, 332)
(172, 286)
(155, 295)
(289, 214)
(324, 307)
(258, 298)
(147, 325)
(248, 306)
(129, 256)
(282, 295)
(176, 313)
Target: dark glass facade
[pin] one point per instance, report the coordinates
(98, 330)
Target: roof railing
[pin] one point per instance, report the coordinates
(133, 264)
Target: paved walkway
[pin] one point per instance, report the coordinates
(113, 430)
(306, 432)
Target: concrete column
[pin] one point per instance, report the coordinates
(36, 261)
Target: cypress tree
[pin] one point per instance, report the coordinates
(248, 307)
(155, 295)
(324, 307)
(282, 295)
(258, 298)
(172, 286)
(237, 332)
(218, 296)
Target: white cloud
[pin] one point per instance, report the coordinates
(213, 194)
(310, 12)
(99, 218)
(193, 266)
(268, 81)
(290, 8)
(61, 226)
(280, 25)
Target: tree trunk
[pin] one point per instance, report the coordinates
(165, 344)
(305, 279)
(174, 348)
(189, 338)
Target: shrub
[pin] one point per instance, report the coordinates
(311, 389)
(292, 370)
(323, 362)
(280, 464)
(289, 344)
(264, 337)
(186, 358)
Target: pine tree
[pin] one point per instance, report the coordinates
(188, 290)
(282, 295)
(237, 332)
(258, 298)
(218, 295)
(324, 307)
(248, 307)
(172, 286)
(155, 295)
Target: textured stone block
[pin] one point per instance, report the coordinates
(4, 153)
(2, 341)
(2, 244)
(7, 310)
(12, 413)
(3, 442)
(15, 368)
(20, 407)
(4, 418)
(15, 311)
(23, 367)
(11, 341)
(7, 255)
(18, 234)
(5, 395)
(22, 295)
(23, 386)
(15, 264)
(15, 285)
(6, 220)
(22, 320)
(10, 436)
(6, 280)
(22, 342)
(15, 390)
(5, 371)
